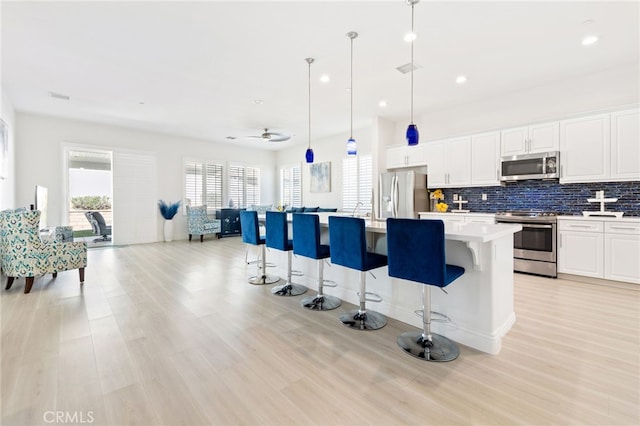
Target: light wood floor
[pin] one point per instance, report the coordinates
(171, 333)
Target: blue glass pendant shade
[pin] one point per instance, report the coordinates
(412, 134)
(309, 155)
(352, 147)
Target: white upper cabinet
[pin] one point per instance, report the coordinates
(485, 159)
(406, 156)
(449, 162)
(436, 164)
(585, 144)
(625, 145)
(530, 139)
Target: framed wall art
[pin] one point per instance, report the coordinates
(320, 177)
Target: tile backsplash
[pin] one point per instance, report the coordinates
(566, 199)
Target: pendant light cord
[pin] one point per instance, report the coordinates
(413, 36)
(351, 87)
(309, 61)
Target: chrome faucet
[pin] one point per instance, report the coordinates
(355, 209)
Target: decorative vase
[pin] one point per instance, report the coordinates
(168, 230)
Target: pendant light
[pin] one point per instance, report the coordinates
(309, 154)
(412, 131)
(352, 146)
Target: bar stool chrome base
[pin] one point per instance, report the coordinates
(368, 320)
(320, 303)
(289, 290)
(263, 279)
(440, 349)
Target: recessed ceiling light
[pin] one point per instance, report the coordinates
(409, 37)
(589, 40)
(382, 104)
(324, 78)
(258, 101)
(461, 79)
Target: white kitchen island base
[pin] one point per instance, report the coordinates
(479, 303)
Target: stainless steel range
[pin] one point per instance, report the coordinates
(534, 248)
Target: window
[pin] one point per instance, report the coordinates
(357, 182)
(244, 185)
(203, 184)
(291, 186)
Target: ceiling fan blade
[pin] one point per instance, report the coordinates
(278, 137)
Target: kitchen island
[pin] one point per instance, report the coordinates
(480, 303)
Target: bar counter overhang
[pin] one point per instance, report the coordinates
(479, 304)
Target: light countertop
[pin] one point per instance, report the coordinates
(467, 232)
(472, 214)
(623, 219)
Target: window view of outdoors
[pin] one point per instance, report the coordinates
(90, 209)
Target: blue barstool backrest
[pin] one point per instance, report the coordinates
(250, 227)
(277, 231)
(348, 242)
(306, 236)
(416, 252)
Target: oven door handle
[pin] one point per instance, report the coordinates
(529, 225)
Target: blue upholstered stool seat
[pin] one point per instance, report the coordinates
(416, 252)
(278, 238)
(348, 241)
(251, 235)
(306, 242)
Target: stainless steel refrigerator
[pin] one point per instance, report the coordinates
(402, 194)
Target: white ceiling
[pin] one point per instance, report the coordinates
(194, 68)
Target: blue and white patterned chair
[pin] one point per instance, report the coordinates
(24, 254)
(199, 222)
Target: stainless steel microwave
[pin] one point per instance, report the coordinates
(542, 165)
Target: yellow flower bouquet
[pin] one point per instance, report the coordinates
(437, 194)
(442, 207)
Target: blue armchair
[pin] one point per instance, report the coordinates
(199, 222)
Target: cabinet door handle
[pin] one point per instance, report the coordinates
(560, 241)
(623, 227)
(581, 226)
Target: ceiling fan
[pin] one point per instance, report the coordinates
(268, 136)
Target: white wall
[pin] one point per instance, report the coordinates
(39, 156)
(593, 92)
(7, 185)
(332, 149)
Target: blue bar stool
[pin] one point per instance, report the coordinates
(278, 238)
(416, 251)
(251, 235)
(306, 242)
(348, 241)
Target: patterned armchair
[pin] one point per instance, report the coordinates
(24, 254)
(199, 222)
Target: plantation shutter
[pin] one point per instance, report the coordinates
(357, 182)
(291, 186)
(203, 184)
(244, 185)
(252, 185)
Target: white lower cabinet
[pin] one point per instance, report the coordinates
(600, 249)
(622, 252)
(581, 248)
